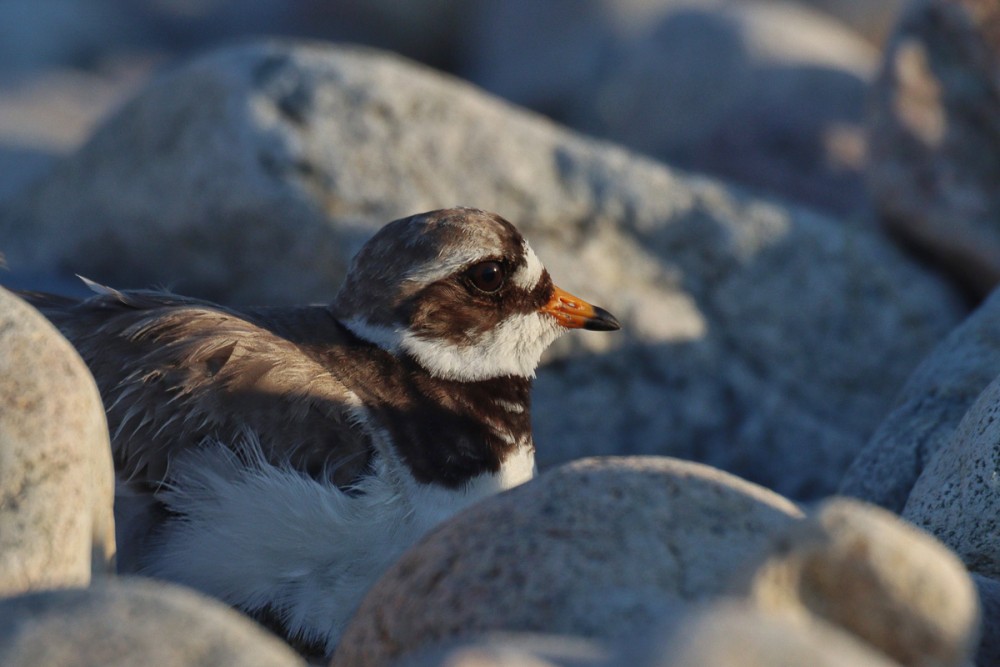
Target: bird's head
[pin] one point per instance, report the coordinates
(462, 293)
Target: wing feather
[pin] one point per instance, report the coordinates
(174, 371)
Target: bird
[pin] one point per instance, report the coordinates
(281, 458)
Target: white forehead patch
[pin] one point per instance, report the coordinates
(528, 275)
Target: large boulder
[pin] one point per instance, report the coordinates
(255, 173)
(599, 548)
(864, 571)
(935, 136)
(56, 475)
(989, 604)
(718, 634)
(768, 94)
(512, 649)
(128, 622)
(956, 496)
(927, 411)
(874, 20)
(736, 633)
(654, 561)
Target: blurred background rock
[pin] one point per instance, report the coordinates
(770, 319)
(843, 159)
(765, 93)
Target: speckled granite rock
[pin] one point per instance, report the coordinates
(956, 497)
(126, 622)
(717, 634)
(746, 322)
(863, 570)
(989, 604)
(513, 650)
(935, 136)
(56, 475)
(731, 633)
(599, 548)
(927, 411)
(665, 563)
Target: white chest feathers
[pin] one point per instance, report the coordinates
(259, 536)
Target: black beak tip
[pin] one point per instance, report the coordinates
(602, 321)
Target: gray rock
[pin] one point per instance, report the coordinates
(873, 20)
(935, 136)
(733, 633)
(513, 650)
(747, 322)
(927, 411)
(56, 475)
(863, 570)
(989, 604)
(50, 115)
(770, 95)
(125, 622)
(599, 548)
(36, 36)
(956, 497)
(715, 634)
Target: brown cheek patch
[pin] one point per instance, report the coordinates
(448, 311)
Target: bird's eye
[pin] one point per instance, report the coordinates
(487, 276)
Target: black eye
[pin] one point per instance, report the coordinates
(487, 276)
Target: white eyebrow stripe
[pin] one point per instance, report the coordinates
(529, 275)
(431, 273)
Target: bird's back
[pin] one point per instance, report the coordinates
(175, 370)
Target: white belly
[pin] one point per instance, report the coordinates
(256, 535)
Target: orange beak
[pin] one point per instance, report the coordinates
(575, 313)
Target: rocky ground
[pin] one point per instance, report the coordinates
(790, 207)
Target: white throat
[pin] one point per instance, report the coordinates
(514, 347)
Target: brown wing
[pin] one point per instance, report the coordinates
(174, 370)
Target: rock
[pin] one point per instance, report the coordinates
(56, 475)
(746, 321)
(956, 497)
(733, 633)
(770, 95)
(927, 411)
(716, 634)
(426, 30)
(132, 622)
(873, 20)
(38, 36)
(52, 114)
(599, 548)
(989, 636)
(513, 650)
(935, 136)
(864, 571)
